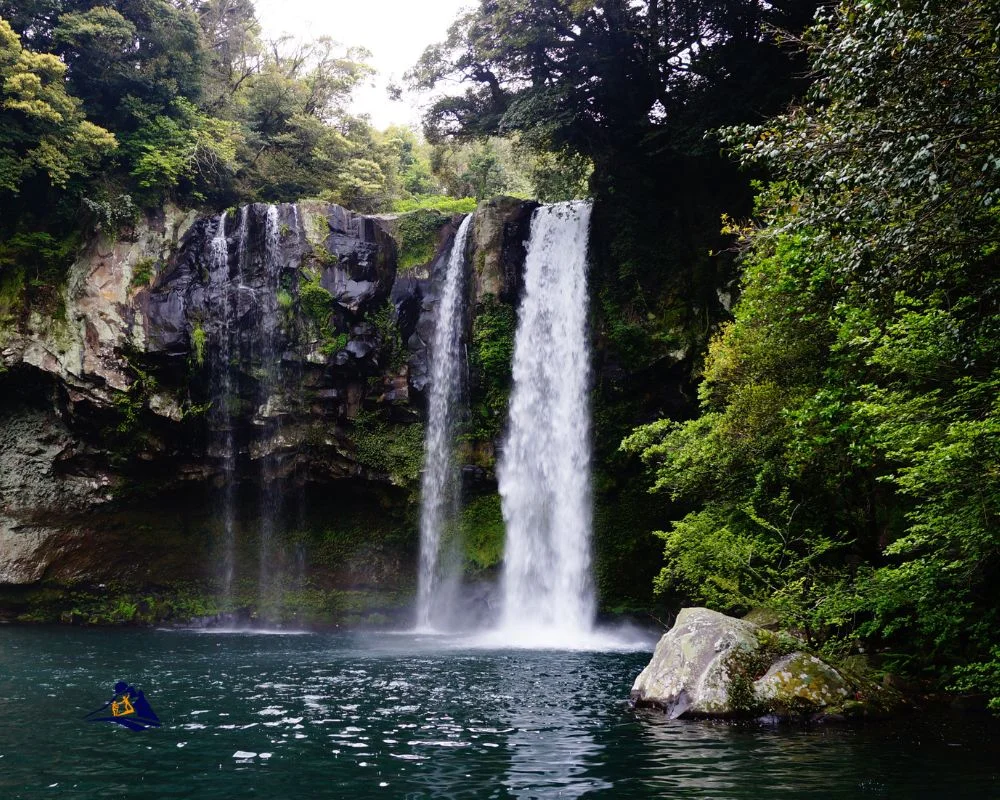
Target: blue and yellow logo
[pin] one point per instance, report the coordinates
(128, 708)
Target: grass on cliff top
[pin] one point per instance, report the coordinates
(446, 205)
(418, 235)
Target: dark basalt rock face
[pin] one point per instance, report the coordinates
(285, 347)
(365, 263)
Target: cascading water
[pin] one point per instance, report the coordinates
(544, 468)
(221, 388)
(243, 349)
(266, 357)
(440, 482)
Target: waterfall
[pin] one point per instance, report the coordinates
(243, 349)
(440, 482)
(221, 389)
(266, 357)
(544, 467)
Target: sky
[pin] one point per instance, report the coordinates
(395, 31)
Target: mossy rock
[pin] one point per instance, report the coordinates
(711, 665)
(800, 683)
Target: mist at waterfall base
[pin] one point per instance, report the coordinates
(366, 715)
(546, 594)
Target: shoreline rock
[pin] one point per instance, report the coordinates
(713, 666)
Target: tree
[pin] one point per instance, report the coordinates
(130, 59)
(849, 442)
(898, 141)
(600, 76)
(43, 128)
(235, 51)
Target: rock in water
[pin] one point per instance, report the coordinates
(689, 674)
(801, 682)
(711, 665)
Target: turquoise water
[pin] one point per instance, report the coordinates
(399, 716)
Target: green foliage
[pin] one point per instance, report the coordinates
(391, 449)
(317, 306)
(182, 148)
(111, 213)
(392, 350)
(116, 605)
(490, 359)
(199, 339)
(981, 677)
(142, 272)
(334, 345)
(418, 235)
(436, 202)
(483, 531)
(896, 150)
(845, 468)
(43, 129)
(316, 301)
(560, 176)
(33, 266)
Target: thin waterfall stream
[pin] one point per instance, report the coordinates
(267, 360)
(221, 390)
(440, 482)
(243, 349)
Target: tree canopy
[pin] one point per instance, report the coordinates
(597, 77)
(845, 468)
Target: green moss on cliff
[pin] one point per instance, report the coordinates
(198, 341)
(483, 532)
(490, 360)
(418, 235)
(114, 604)
(317, 306)
(392, 449)
(143, 272)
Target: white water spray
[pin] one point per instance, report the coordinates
(440, 482)
(544, 468)
(221, 391)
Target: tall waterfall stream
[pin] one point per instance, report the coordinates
(544, 468)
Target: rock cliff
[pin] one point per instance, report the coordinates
(267, 350)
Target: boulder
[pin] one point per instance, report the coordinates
(802, 682)
(688, 674)
(712, 665)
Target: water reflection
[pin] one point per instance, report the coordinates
(397, 717)
(551, 746)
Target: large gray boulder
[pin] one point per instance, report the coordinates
(688, 674)
(712, 665)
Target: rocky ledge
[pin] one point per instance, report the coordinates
(710, 665)
(196, 362)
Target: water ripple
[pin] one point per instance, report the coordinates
(391, 716)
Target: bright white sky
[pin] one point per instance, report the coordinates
(395, 31)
